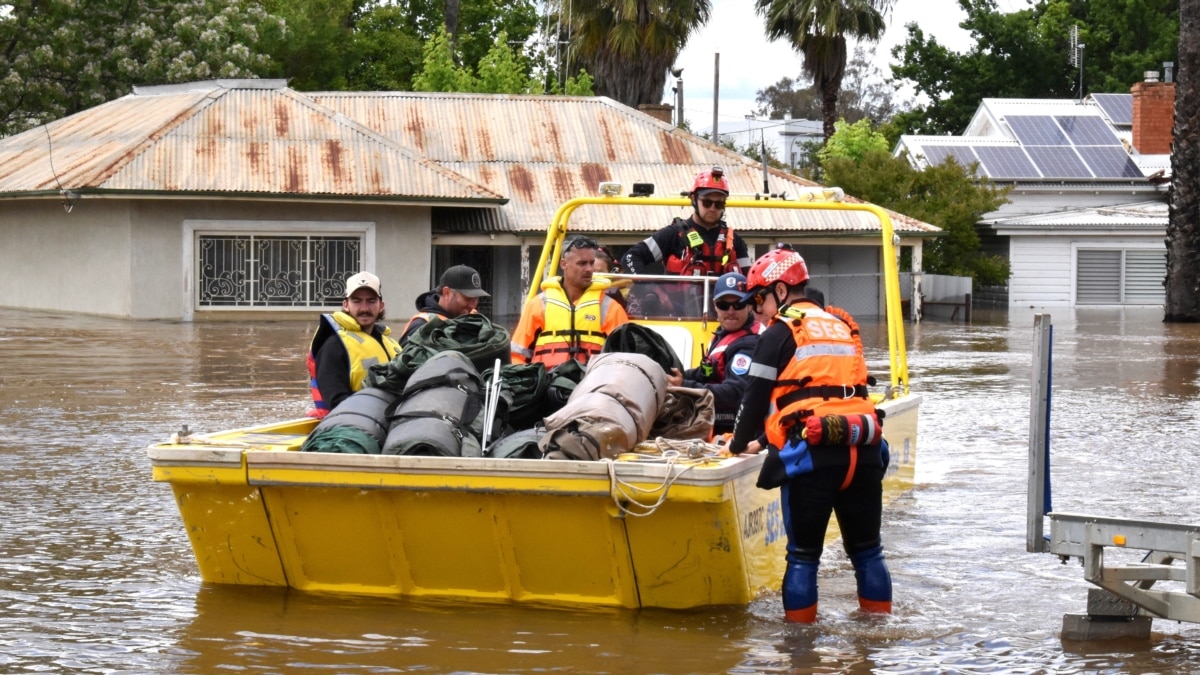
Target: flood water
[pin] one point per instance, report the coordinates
(97, 575)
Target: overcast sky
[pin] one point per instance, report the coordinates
(749, 63)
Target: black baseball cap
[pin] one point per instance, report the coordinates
(465, 280)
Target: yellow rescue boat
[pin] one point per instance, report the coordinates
(672, 529)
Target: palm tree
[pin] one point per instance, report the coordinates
(628, 45)
(1183, 222)
(818, 30)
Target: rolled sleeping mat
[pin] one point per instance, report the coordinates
(365, 410)
(430, 436)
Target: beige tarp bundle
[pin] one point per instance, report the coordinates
(610, 411)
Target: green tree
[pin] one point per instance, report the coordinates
(1183, 222)
(948, 195)
(864, 95)
(439, 72)
(818, 30)
(502, 70)
(366, 45)
(853, 141)
(1025, 54)
(628, 45)
(58, 57)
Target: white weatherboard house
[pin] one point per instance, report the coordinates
(229, 199)
(1088, 211)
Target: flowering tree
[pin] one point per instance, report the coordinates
(58, 57)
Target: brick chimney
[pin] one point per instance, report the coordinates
(664, 111)
(1153, 115)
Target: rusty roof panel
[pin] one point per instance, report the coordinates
(537, 191)
(540, 151)
(240, 140)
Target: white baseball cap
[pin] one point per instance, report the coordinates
(362, 280)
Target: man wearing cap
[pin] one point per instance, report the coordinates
(338, 368)
(572, 316)
(727, 361)
(702, 245)
(458, 293)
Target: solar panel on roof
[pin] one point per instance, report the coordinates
(1058, 162)
(936, 154)
(1005, 162)
(1037, 130)
(1087, 130)
(1109, 162)
(1118, 107)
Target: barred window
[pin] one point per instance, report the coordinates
(274, 270)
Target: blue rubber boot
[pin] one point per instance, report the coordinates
(874, 581)
(800, 591)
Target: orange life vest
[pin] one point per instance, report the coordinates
(571, 331)
(827, 375)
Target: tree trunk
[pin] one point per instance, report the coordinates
(452, 21)
(829, 99)
(1183, 222)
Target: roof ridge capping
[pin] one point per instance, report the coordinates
(207, 85)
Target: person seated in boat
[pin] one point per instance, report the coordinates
(809, 367)
(702, 245)
(458, 292)
(572, 315)
(726, 363)
(618, 289)
(338, 367)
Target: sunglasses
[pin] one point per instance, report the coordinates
(757, 299)
(712, 204)
(725, 305)
(578, 243)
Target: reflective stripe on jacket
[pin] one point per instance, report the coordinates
(700, 259)
(552, 330)
(827, 375)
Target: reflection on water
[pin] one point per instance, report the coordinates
(96, 573)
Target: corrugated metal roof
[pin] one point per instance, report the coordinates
(540, 151)
(227, 139)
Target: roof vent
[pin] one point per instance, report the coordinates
(1168, 71)
(1150, 75)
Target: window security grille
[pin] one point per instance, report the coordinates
(274, 271)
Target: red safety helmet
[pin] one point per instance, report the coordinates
(713, 179)
(782, 264)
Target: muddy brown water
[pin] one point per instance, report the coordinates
(96, 573)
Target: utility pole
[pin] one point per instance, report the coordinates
(716, 137)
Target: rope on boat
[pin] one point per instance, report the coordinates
(689, 454)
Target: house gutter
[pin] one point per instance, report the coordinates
(80, 193)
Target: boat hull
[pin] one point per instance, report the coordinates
(640, 533)
(529, 531)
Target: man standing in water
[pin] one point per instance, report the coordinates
(338, 367)
(808, 381)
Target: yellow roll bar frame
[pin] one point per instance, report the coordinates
(898, 361)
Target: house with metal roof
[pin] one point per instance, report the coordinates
(232, 198)
(1087, 215)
